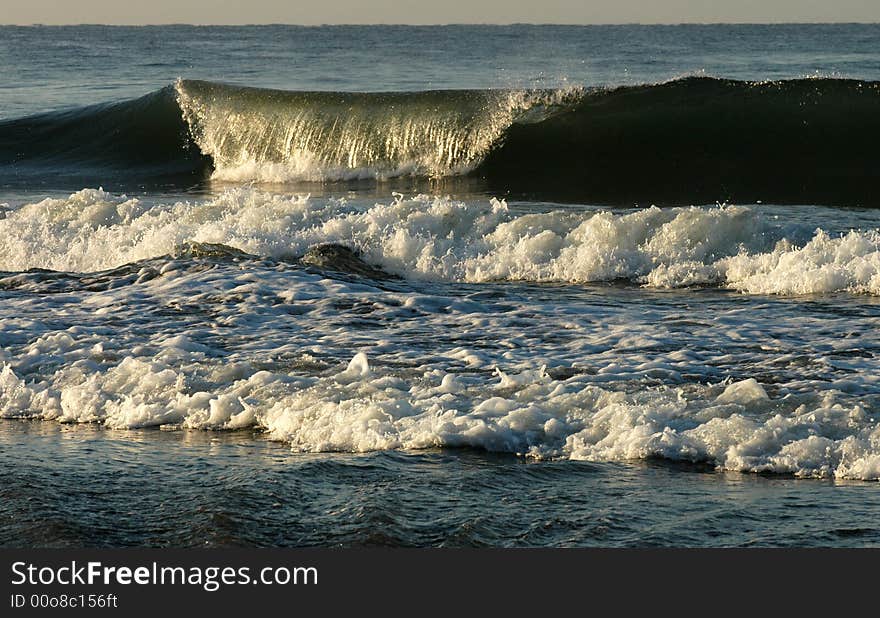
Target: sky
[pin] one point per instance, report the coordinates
(433, 11)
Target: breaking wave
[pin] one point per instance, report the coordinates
(696, 139)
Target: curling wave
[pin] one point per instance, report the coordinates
(278, 136)
(696, 139)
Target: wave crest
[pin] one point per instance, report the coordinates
(279, 136)
(693, 140)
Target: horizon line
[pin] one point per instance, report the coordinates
(442, 24)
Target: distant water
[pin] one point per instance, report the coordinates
(468, 285)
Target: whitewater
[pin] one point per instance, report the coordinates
(443, 239)
(248, 259)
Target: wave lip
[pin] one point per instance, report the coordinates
(280, 136)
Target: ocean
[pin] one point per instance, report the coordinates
(439, 286)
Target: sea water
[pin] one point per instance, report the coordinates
(409, 286)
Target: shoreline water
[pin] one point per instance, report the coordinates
(199, 489)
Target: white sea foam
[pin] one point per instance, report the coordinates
(442, 239)
(341, 364)
(734, 426)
